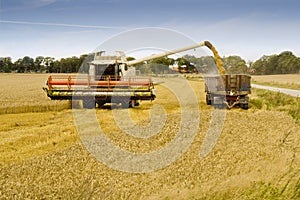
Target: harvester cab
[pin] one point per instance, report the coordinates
(113, 66)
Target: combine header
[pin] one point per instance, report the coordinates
(106, 90)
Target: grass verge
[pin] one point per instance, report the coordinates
(268, 100)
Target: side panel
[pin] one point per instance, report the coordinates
(230, 83)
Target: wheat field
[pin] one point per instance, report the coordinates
(21, 93)
(42, 156)
(291, 81)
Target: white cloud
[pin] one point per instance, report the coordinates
(60, 24)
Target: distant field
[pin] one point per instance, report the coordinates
(291, 81)
(42, 157)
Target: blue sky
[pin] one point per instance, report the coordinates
(62, 28)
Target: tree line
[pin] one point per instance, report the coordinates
(284, 63)
(42, 64)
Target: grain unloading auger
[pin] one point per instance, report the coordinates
(112, 79)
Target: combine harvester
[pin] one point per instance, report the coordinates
(112, 79)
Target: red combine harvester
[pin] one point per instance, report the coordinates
(110, 80)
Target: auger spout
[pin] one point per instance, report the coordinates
(218, 59)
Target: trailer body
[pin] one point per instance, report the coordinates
(228, 90)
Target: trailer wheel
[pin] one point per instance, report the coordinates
(244, 106)
(89, 103)
(219, 106)
(208, 101)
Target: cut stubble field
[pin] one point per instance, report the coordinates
(291, 81)
(41, 154)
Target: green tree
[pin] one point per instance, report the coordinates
(6, 64)
(185, 66)
(83, 62)
(161, 65)
(284, 63)
(27, 64)
(235, 65)
(203, 64)
(38, 64)
(260, 66)
(288, 63)
(56, 66)
(24, 65)
(48, 61)
(70, 65)
(18, 66)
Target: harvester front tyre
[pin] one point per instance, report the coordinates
(133, 103)
(208, 101)
(89, 103)
(100, 103)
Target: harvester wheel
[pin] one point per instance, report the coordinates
(89, 103)
(100, 103)
(133, 103)
(208, 101)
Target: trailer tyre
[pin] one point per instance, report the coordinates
(244, 106)
(219, 106)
